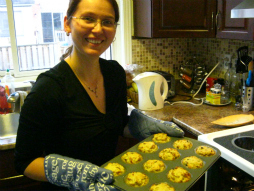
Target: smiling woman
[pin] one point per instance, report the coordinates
(102, 26)
(80, 109)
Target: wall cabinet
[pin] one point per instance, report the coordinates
(189, 19)
(174, 18)
(232, 28)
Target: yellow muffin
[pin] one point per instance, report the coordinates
(116, 168)
(161, 187)
(132, 158)
(192, 162)
(154, 166)
(161, 138)
(169, 154)
(205, 151)
(148, 147)
(179, 175)
(136, 179)
(182, 144)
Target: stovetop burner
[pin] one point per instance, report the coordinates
(228, 142)
(237, 153)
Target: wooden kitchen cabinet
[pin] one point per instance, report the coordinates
(232, 28)
(174, 18)
(9, 178)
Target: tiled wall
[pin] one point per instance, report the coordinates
(167, 54)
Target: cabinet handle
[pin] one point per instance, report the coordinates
(212, 20)
(217, 20)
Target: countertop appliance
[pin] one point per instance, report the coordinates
(236, 146)
(243, 10)
(149, 94)
(171, 82)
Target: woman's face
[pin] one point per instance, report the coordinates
(89, 38)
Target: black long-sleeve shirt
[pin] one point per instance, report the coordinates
(58, 116)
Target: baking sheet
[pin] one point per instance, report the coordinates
(162, 176)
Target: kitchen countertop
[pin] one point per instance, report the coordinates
(194, 118)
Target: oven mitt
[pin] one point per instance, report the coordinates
(142, 126)
(76, 174)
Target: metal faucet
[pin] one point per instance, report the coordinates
(15, 103)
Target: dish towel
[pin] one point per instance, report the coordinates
(22, 97)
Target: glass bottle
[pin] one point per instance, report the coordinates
(225, 94)
(185, 84)
(186, 70)
(186, 77)
(235, 90)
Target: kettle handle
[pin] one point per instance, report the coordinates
(165, 89)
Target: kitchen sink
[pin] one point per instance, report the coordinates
(8, 125)
(236, 146)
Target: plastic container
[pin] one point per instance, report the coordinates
(8, 83)
(4, 108)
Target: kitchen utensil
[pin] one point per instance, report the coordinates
(149, 88)
(247, 98)
(243, 60)
(243, 51)
(248, 81)
(235, 120)
(162, 176)
(251, 66)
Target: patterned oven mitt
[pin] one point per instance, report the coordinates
(76, 174)
(142, 126)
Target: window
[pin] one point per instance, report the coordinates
(4, 27)
(32, 38)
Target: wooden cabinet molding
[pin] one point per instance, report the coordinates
(174, 18)
(189, 19)
(232, 28)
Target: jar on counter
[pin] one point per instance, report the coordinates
(186, 70)
(215, 97)
(185, 84)
(186, 77)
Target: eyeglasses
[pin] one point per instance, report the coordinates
(90, 22)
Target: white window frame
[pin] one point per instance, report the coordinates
(19, 75)
(121, 47)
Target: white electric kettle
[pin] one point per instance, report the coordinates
(149, 90)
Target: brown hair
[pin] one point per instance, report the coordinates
(73, 5)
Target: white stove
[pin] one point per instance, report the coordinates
(236, 146)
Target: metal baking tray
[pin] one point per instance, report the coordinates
(162, 176)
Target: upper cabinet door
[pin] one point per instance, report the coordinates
(174, 18)
(232, 28)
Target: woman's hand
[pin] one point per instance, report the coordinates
(76, 174)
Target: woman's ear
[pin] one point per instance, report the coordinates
(67, 27)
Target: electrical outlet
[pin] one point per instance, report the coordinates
(227, 58)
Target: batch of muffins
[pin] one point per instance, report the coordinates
(177, 174)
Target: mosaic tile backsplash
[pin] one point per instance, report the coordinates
(168, 54)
